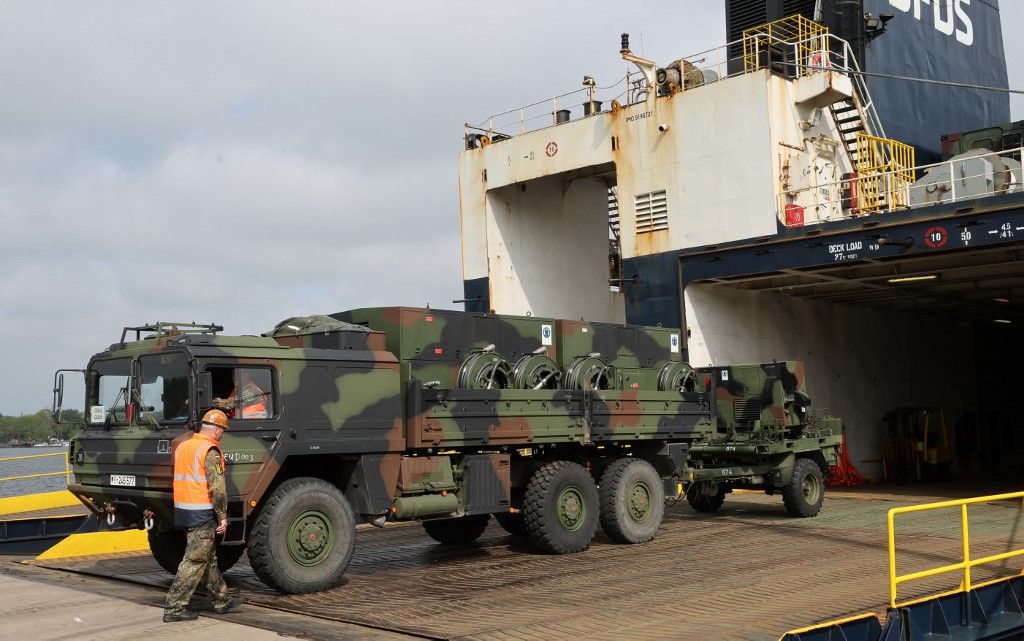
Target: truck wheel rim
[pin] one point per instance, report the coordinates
(310, 538)
(639, 502)
(572, 509)
(811, 488)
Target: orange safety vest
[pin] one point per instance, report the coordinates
(192, 503)
(252, 410)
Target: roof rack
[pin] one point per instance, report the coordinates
(162, 328)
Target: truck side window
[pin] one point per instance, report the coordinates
(108, 391)
(248, 392)
(163, 386)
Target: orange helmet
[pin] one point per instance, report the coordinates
(216, 418)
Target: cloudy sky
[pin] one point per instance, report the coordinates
(244, 162)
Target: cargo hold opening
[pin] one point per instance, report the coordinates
(886, 343)
(551, 244)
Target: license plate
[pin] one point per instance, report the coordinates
(124, 480)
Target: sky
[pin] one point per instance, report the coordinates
(243, 162)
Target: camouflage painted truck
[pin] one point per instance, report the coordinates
(400, 414)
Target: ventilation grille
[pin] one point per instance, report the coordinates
(803, 7)
(651, 212)
(744, 14)
(746, 409)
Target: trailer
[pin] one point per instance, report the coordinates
(377, 415)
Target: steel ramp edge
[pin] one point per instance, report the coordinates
(34, 535)
(91, 539)
(862, 627)
(35, 502)
(986, 613)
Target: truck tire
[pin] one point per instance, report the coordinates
(704, 498)
(457, 531)
(168, 548)
(560, 508)
(804, 495)
(512, 522)
(303, 537)
(632, 500)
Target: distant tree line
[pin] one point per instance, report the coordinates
(38, 427)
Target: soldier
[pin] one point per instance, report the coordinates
(200, 507)
(251, 402)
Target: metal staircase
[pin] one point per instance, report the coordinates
(614, 239)
(613, 211)
(849, 120)
(858, 113)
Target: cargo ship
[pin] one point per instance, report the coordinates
(806, 190)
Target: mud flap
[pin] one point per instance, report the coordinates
(372, 487)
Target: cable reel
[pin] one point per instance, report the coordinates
(677, 376)
(485, 369)
(589, 372)
(536, 371)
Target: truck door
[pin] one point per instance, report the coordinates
(250, 396)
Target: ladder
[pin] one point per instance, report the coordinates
(858, 113)
(613, 211)
(849, 119)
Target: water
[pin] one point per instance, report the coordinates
(32, 466)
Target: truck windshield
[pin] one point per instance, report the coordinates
(163, 388)
(108, 392)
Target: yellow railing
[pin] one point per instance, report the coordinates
(806, 37)
(885, 172)
(66, 473)
(966, 562)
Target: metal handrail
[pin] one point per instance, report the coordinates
(964, 565)
(66, 473)
(840, 60)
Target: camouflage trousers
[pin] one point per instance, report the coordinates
(198, 565)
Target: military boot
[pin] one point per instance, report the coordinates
(233, 602)
(184, 615)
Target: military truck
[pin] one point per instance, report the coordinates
(396, 414)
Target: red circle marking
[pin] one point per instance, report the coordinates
(936, 237)
(551, 149)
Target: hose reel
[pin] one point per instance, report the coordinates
(485, 369)
(677, 376)
(536, 371)
(589, 372)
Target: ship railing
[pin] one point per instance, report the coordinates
(969, 562)
(954, 180)
(821, 52)
(545, 113)
(713, 64)
(802, 57)
(66, 472)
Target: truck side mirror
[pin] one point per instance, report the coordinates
(204, 392)
(58, 392)
(58, 396)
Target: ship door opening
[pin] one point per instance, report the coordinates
(553, 246)
(919, 355)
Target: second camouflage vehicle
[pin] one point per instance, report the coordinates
(396, 414)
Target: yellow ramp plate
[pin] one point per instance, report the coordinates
(96, 543)
(33, 502)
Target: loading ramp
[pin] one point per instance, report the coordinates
(746, 573)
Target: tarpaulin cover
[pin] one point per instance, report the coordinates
(316, 324)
